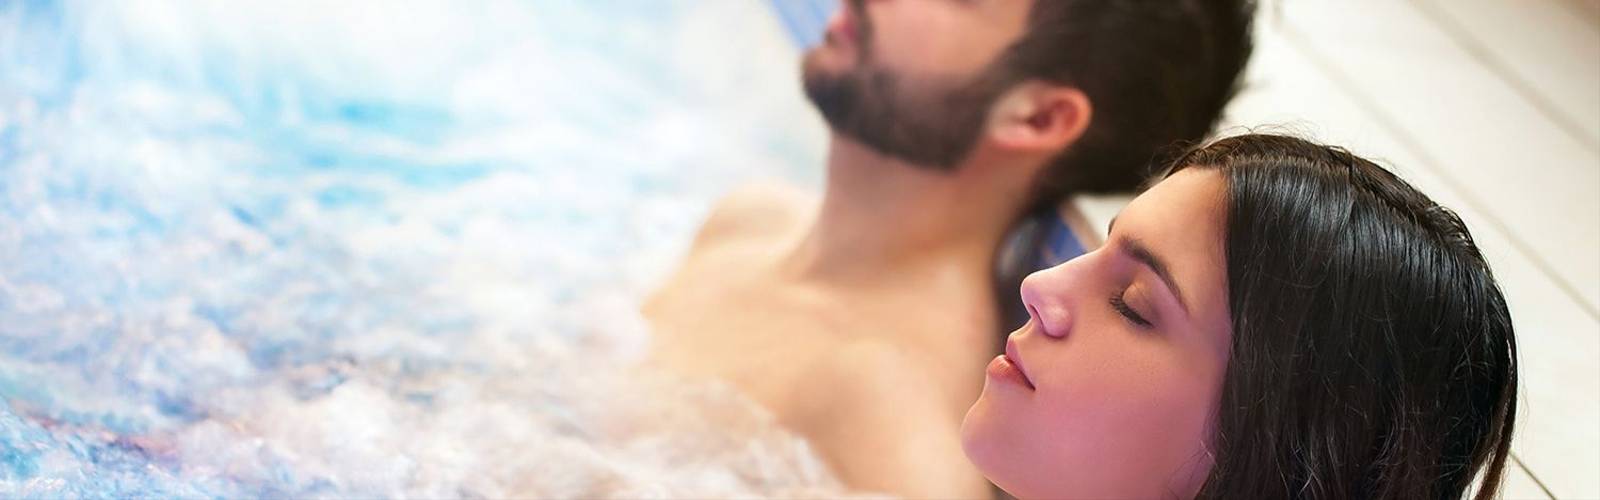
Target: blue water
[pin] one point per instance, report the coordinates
(373, 248)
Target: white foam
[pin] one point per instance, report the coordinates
(375, 248)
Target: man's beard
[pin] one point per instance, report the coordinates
(933, 123)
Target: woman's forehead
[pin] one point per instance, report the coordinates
(1183, 221)
(1186, 211)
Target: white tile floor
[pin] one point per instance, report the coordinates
(1492, 107)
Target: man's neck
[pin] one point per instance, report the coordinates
(881, 218)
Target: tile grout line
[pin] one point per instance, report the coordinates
(1465, 41)
(1369, 105)
(1517, 461)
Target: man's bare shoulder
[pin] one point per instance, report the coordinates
(740, 230)
(754, 211)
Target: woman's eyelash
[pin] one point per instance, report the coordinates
(1127, 312)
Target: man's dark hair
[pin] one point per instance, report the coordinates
(1372, 353)
(1158, 74)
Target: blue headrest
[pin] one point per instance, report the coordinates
(1059, 245)
(805, 19)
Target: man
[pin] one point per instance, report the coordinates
(863, 321)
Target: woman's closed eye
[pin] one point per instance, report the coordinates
(1119, 304)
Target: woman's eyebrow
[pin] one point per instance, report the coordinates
(1139, 252)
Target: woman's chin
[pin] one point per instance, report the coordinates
(981, 440)
(999, 448)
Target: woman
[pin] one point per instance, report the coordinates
(1275, 319)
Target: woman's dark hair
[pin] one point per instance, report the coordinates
(1372, 352)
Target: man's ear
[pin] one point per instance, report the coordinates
(1040, 117)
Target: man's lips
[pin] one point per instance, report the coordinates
(843, 25)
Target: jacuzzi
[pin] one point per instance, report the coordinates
(375, 248)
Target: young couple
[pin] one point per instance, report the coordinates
(1273, 318)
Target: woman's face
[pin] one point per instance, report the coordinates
(1110, 389)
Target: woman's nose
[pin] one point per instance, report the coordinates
(1044, 293)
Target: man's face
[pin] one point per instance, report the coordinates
(912, 79)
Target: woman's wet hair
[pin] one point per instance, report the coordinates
(1372, 352)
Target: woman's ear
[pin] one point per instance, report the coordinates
(1040, 117)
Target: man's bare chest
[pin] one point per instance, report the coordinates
(759, 340)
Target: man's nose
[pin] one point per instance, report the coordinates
(1044, 295)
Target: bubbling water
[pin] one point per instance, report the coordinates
(375, 248)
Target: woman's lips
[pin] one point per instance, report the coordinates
(1008, 366)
